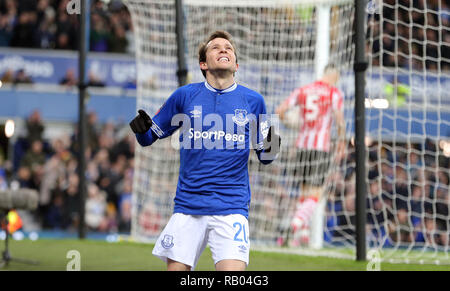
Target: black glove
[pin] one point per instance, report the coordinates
(270, 139)
(141, 123)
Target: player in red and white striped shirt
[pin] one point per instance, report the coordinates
(320, 103)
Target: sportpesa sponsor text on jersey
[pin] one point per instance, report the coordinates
(217, 130)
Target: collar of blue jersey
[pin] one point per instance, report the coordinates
(229, 89)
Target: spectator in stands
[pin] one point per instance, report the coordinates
(124, 206)
(110, 222)
(376, 203)
(69, 80)
(445, 54)
(443, 177)
(66, 35)
(35, 156)
(430, 230)
(119, 40)
(125, 146)
(62, 42)
(104, 176)
(23, 177)
(107, 135)
(22, 78)
(45, 35)
(23, 33)
(34, 161)
(388, 45)
(130, 85)
(108, 181)
(54, 173)
(8, 77)
(432, 49)
(397, 93)
(99, 8)
(416, 203)
(44, 11)
(6, 30)
(400, 228)
(95, 207)
(9, 9)
(3, 178)
(131, 47)
(401, 187)
(413, 162)
(35, 127)
(94, 80)
(54, 217)
(442, 204)
(116, 175)
(72, 202)
(100, 36)
(92, 129)
(149, 219)
(45, 25)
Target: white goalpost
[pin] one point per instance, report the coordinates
(286, 44)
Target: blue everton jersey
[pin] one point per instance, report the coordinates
(217, 130)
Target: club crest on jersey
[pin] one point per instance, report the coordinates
(240, 117)
(167, 241)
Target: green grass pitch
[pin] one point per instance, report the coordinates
(104, 256)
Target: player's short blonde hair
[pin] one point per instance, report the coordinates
(204, 46)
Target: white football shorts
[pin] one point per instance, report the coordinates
(185, 237)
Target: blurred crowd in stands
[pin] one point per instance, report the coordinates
(408, 195)
(50, 167)
(46, 24)
(70, 80)
(20, 77)
(408, 190)
(405, 34)
(411, 34)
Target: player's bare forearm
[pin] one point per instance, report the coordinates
(340, 125)
(341, 132)
(340, 150)
(281, 110)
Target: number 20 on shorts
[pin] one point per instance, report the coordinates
(240, 229)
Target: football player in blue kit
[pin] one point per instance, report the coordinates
(219, 122)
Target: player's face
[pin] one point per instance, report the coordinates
(220, 56)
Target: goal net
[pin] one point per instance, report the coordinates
(286, 44)
(408, 125)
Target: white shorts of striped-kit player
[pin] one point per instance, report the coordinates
(185, 237)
